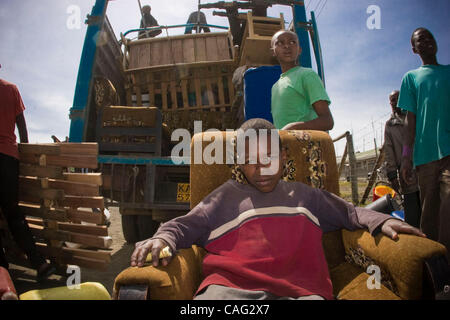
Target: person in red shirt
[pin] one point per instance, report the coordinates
(11, 114)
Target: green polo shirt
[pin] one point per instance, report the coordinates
(294, 94)
(426, 92)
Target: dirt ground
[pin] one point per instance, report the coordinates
(24, 278)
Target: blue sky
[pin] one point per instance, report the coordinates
(41, 54)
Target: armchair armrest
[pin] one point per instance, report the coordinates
(403, 260)
(178, 280)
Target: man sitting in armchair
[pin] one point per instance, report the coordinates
(263, 235)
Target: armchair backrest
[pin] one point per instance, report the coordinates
(311, 159)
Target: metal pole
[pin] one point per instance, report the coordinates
(374, 140)
(198, 17)
(301, 28)
(353, 174)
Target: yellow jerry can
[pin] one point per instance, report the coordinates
(85, 291)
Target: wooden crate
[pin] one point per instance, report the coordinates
(255, 48)
(64, 210)
(160, 52)
(186, 94)
(129, 129)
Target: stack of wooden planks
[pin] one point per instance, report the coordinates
(160, 52)
(63, 206)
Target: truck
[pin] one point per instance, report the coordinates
(132, 93)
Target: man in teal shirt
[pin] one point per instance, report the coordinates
(299, 100)
(425, 94)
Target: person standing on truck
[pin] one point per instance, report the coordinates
(196, 17)
(148, 21)
(425, 94)
(299, 100)
(11, 114)
(394, 135)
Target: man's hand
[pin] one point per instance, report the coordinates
(143, 248)
(392, 227)
(406, 170)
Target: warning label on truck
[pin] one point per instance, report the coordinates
(183, 192)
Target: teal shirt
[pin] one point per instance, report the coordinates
(293, 95)
(426, 92)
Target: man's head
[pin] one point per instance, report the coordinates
(146, 9)
(423, 43)
(266, 171)
(285, 46)
(393, 99)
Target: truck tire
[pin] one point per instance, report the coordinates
(130, 228)
(146, 226)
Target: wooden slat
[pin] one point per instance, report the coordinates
(251, 31)
(45, 148)
(164, 86)
(200, 49)
(223, 48)
(83, 202)
(144, 55)
(230, 88)
(90, 178)
(209, 92)
(86, 216)
(63, 160)
(85, 148)
(128, 93)
(173, 94)
(155, 54)
(184, 92)
(87, 263)
(35, 193)
(151, 89)
(71, 252)
(38, 171)
(177, 51)
(88, 240)
(33, 210)
(206, 107)
(84, 229)
(221, 92)
(166, 52)
(75, 188)
(189, 50)
(211, 49)
(35, 221)
(198, 90)
(69, 187)
(137, 89)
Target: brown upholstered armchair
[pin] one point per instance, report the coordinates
(411, 268)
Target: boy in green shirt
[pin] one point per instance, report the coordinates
(299, 99)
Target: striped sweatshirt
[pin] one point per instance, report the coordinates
(267, 241)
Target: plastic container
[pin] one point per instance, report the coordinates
(384, 204)
(86, 291)
(382, 190)
(399, 214)
(258, 84)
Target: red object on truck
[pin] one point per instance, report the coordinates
(7, 290)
